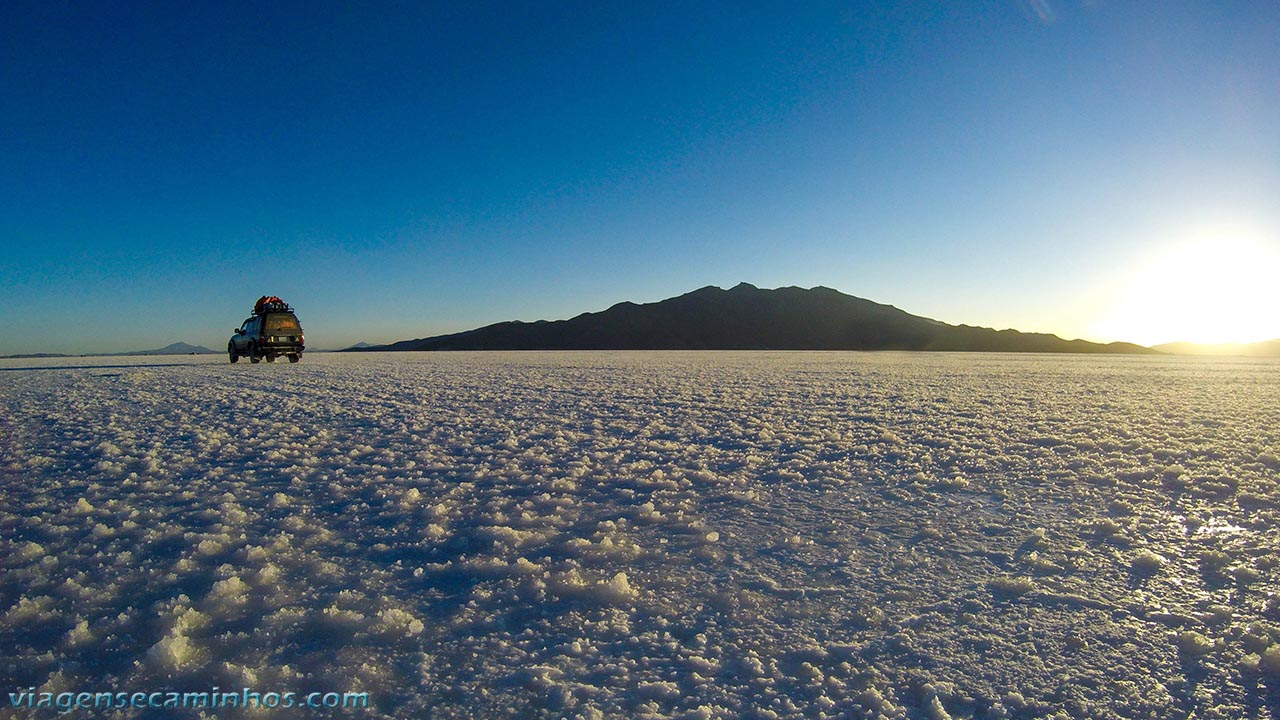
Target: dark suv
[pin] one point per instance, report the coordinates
(269, 334)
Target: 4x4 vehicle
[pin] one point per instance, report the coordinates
(273, 331)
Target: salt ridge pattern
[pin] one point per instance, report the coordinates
(651, 535)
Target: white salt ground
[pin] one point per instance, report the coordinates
(651, 535)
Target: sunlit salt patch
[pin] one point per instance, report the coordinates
(106, 467)
(411, 497)
(184, 619)
(794, 542)
(174, 652)
(211, 545)
(1148, 562)
(502, 535)
(80, 634)
(396, 621)
(1218, 526)
(1012, 586)
(229, 590)
(616, 590)
(537, 676)
(29, 551)
(889, 437)
(1268, 661)
(611, 547)
(934, 709)
(1192, 644)
(32, 610)
(1106, 527)
(648, 513)
(348, 619)
(663, 690)
(269, 574)
(497, 567)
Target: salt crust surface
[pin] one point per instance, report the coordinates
(653, 535)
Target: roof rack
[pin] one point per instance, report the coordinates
(269, 304)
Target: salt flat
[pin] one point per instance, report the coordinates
(694, 535)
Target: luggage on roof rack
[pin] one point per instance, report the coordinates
(270, 303)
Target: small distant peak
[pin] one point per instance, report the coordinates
(743, 286)
(706, 289)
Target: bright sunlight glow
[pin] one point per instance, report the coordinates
(1215, 286)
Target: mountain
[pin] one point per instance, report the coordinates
(1267, 348)
(748, 318)
(178, 348)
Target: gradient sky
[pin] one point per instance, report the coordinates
(399, 170)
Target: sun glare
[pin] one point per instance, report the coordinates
(1215, 287)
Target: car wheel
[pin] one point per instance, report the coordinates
(271, 358)
(231, 352)
(253, 355)
(294, 357)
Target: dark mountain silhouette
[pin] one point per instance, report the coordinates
(178, 348)
(748, 318)
(1266, 348)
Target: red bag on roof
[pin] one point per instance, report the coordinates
(268, 303)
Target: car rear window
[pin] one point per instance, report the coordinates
(282, 325)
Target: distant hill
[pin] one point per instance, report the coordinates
(1267, 348)
(178, 348)
(748, 318)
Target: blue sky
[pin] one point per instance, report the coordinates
(400, 170)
